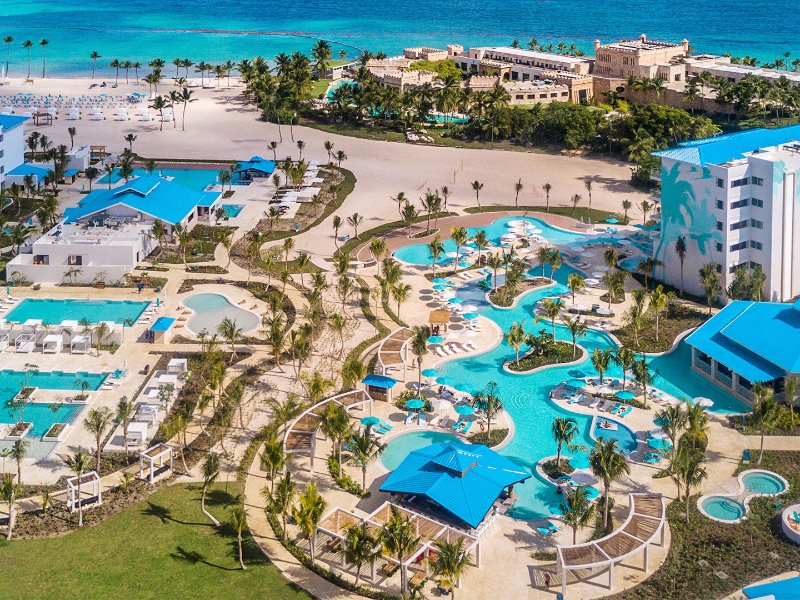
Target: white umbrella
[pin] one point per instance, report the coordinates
(470, 333)
(577, 307)
(584, 478)
(604, 389)
(591, 282)
(518, 223)
(452, 335)
(602, 268)
(441, 404)
(587, 254)
(597, 274)
(657, 433)
(704, 402)
(624, 242)
(469, 308)
(453, 254)
(604, 311)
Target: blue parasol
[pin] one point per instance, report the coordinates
(456, 301)
(435, 339)
(625, 395)
(465, 409)
(430, 373)
(415, 403)
(370, 421)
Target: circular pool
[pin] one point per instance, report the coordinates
(211, 309)
(762, 482)
(401, 446)
(723, 509)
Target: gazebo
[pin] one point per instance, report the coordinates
(90, 480)
(160, 331)
(80, 344)
(253, 168)
(379, 387)
(52, 344)
(439, 317)
(154, 454)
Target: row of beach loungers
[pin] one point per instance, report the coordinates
(460, 426)
(452, 349)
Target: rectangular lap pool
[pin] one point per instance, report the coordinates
(54, 312)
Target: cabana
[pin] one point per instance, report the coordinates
(379, 387)
(137, 433)
(464, 480)
(42, 116)
(178, 366)
(157, 453)
(3, 341)
(160, 331)
(254, 168)
(80, 344)
(91, 490)
(52, 344)
(439, 317)
(24, 343)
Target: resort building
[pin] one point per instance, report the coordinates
(733, 199)
(615, 62)
(746, 343)
(538, 92)
(405, 79)
(111, 230)
(12, 146)
(721, 66)
(515, 63)
(432, 54)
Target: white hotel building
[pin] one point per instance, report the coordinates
(734, 198)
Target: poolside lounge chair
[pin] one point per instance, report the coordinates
(455, 349)
(606, 406)
(446, 350)
(652, 458)
(440, 351)
(433, 420)
(576, 399)
(552, 527)
(616, 408)
(458, 424)
(544, 531)
(625, 411)
(444, 422)
(467, 426)
(595, 402)
(410, 417)
(465, 275)
(386, 425)
(469, 345)
(422, 418)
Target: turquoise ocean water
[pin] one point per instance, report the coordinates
(218, 30)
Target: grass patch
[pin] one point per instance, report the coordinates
(163, 547)
(504, 297)
(496, 437)
(671, 324)
(746, 551)
(565, 211)
(557, 353)
(554, 471)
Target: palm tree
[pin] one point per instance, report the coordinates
(588, 184)
(125, 412)
(274, 458)
(494, 262)
(610, 257)
(355, 220)
(576, 284)
(765, 413)
(543, 256)
(229, 331)
(337, 427)
(577, 510)
(159, 104)
(238, 521)
(564, 430)
(94, 56)
(635, 318)
(554, 260)
(518, 187)
(490, 404)
(401, 292)
(790, 393)
(607, 463)
(658, 302)
(689, 472)
(308, 514)
(79, 463)
(7, 41)
(697, 420)
(575, 200)
(436, 249)
(626, 206)
(340, 156)
(359, 547)
(280, 501)
(624, 358)
(516, 337)
(451, 561)
(97, 422)
(477, 186)
(27, 44)
(460, 236)
(361, 450)
(576, 330)
(9, 490)
(210, 471)
(43, 43)
(176, 427)
(329, 149)
(547, 187)
(709, 281)
(601, 359)
(551, 309)
(398, 535)
(18, 452)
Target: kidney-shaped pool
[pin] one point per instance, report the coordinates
(211, 309)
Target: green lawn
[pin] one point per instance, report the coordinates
(320, 86)
(163, 547)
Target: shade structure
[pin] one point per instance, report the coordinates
(439, 287)
(604, 311)
(442, 404)
(455, 301)
(576, 383)
(469, 308)
(464, 409)
(379, 381)
(605, 389)
(470, 316)
(704, 402)
(453, 254)
(463, 479)
(625, 395)
(439, 317)
(597, 274)
(591, 282)
(430, 373)
(415, 403)
(581, 461)
(370, 421)
(441, 281)
(578, 307)
(435, 339)
(612, 221)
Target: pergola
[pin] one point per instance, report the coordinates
(428, 530)
(24, 343)
(52, 344)
(301, 435)
(80, 344)
(439, 317)
(39, 116)
(645, 520)
(393, 350)
(95, 494)
(155, 453)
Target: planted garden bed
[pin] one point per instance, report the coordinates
(55, 432)
(19, 431)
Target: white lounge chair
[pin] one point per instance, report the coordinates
(445, 422)
(440, 352)
(469, 345)
(433, 421)
(454, 349)
(607, 406)
(422, 418)
(595, 401)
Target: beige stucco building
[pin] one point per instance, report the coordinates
(516, 63)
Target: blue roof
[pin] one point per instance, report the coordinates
(30, 169)
(162, 324)
(723, 148)
(256, 164)
(786, 589)
(70, 172)
(464, 479)
(742, 336)
(379, 381)
(9, 122)
(158, 197)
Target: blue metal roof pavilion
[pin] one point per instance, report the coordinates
(9, 121)
(463, 479)
(262, 165)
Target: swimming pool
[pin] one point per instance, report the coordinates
(785, 589)
(399, 447)
(194, 179)
(12, 381)
(733, 507)
(526, 397)
(723, 509)
(232, 210)
(763, 482)
(625, 438)
(54, 312)
(211, 309)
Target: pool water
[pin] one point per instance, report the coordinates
(193, 179)
(211, 309)
(53, 312)
(43, 416)
(763, 483)
(402, 445)
(625, 438)
(11, 381)
(526, 397)
(232, 210)
(724, 509)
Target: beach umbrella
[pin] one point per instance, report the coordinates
(576, 383)
(587, 254)
(445, 380)
(704, 402)
(440, 287)
(605, 312)
(430, 373)
(591, 282)
(464, 264)
(441, 281)
(452, 254)
(596, 274)
(469, 308)
(584, 478)
(452, 335)
(441, 404)
(657, 433)
(456, 301)
(604, 389)
(578, 307)
(415, 404)
(612, 221)
(603, 268)
(464, 409)
(435, 339)
(470, 316)
(625, 395)
(370, 421)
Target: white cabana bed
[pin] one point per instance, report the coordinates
(25, 343)
(80, 344)
(52, 343)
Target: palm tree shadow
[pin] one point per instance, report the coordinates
(192, 557)
(165, 514)
(219, 497)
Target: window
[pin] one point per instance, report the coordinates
(531, 96)
(757, 181)
(740, 182)
(739, 246)
(719, 268)
(756, 245)
(740, 203)
(739, 225)
(677, 77)
(564, 93)
(520, 97)
(732, 268)
(756, 202)
(720, 204)
(554, 95)
(719, 247)
(757, 224)
(74, 260)
(719, 226)
(753, 265)
(720, 183)
(2, 153)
